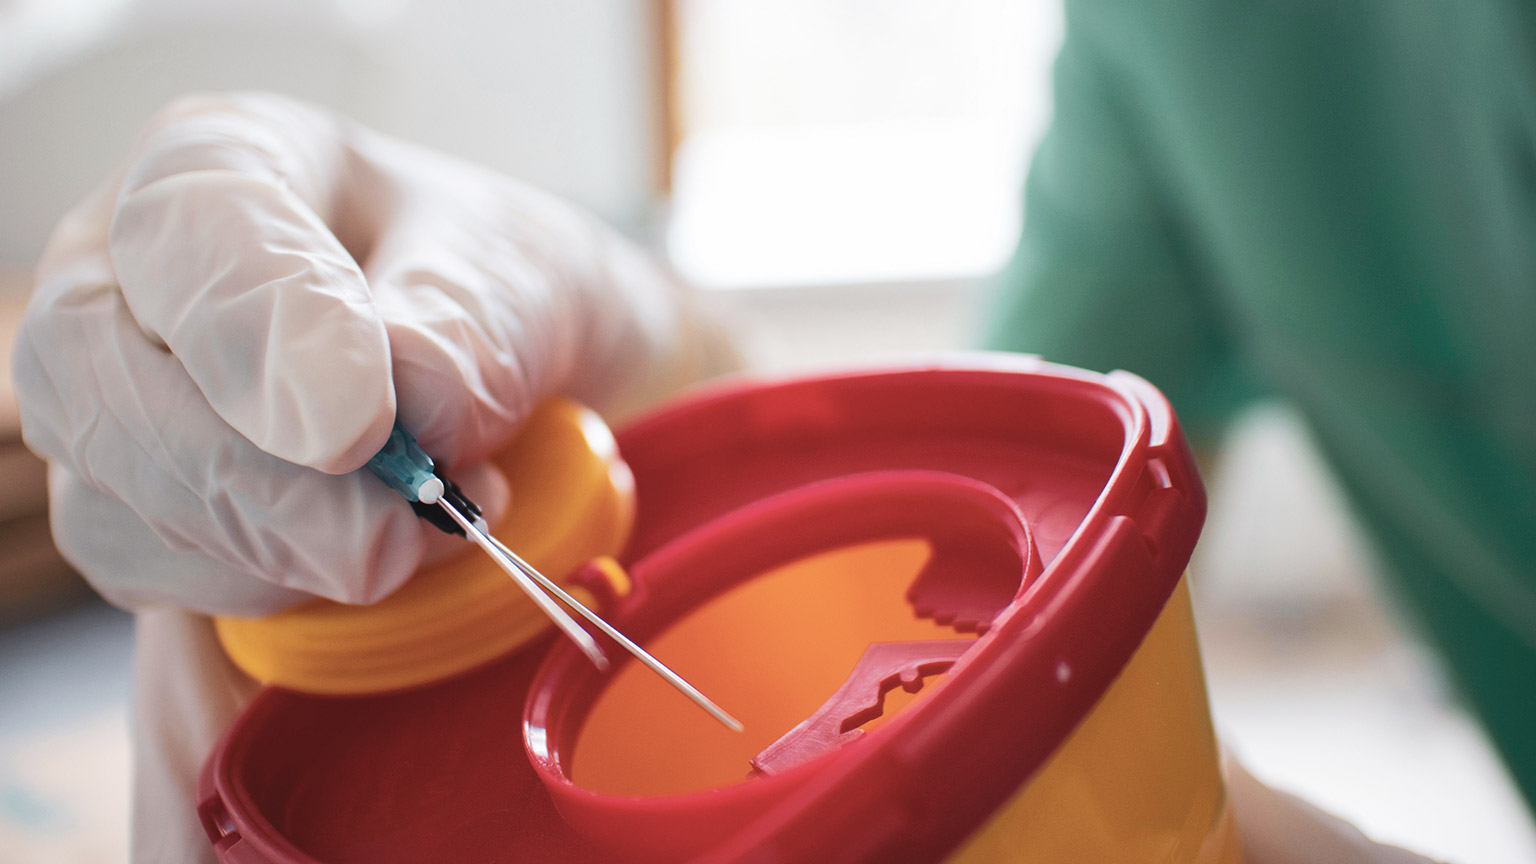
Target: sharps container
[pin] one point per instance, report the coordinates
(946, 601)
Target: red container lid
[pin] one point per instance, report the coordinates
(1093, 465)
(981, 561)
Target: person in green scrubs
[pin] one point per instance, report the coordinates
(1333, 203)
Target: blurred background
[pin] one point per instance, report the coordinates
(848, 173)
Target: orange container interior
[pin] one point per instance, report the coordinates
(769, 650)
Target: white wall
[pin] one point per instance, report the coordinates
(558, 93)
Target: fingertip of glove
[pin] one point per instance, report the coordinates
(347, 442)
(328, 404)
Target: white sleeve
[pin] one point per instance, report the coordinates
(1275, 827)
(186, 693)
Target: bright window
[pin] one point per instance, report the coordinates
(835, 141)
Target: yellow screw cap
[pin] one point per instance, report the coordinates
(572, 501)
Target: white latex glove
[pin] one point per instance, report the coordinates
(225, 332)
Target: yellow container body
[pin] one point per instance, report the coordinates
(1139, 781)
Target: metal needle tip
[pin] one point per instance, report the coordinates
(531, 580)
(562, 619)
(628, 644)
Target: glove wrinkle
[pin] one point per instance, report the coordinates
(220, 307)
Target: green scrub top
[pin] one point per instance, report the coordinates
(1333, 202)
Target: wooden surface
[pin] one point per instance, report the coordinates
(669, 123)
(34, 579)
(14, 289)
(23, 483)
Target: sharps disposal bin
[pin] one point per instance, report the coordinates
(946, 601)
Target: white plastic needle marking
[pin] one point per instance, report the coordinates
(562, 619)
(641, 654)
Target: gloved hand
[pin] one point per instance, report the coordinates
(226, 330)
(1274, 827)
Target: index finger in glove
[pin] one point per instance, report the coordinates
(145, 438)
(222, 250)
